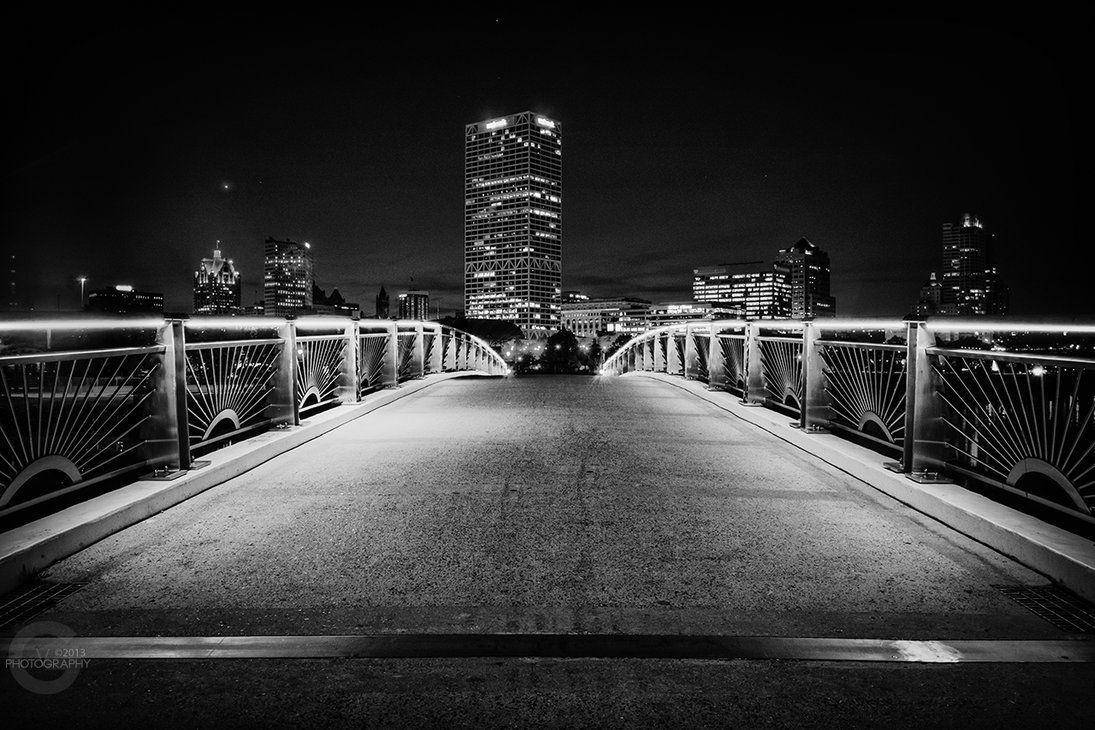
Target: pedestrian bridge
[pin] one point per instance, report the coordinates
(481, 509)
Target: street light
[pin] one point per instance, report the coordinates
(82, 280)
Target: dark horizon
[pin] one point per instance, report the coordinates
(684, 147)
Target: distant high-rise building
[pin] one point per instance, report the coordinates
(216, 286)
(124, 299)
(414, 305)
(969, 284)
(758, 289)
(287, 277)
(513, 230)
(808, 273)
(383, 304)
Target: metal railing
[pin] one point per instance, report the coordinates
(87, 400)
(991, 401)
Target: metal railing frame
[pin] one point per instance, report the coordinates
(922, 453)
(166, 437)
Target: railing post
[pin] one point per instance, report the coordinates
(814, 414)
(349, 392)
(285, 385)
(928, 446)
(648, 355)
(449, 363)
(716, 360)
(754, 374)
(173, 415)
(689, 358)
(659, 357)
(391, 357)
(419, 363)
(435, 352)
(672, 362)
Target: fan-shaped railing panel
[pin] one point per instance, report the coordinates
(1003, 404)
(85, 400)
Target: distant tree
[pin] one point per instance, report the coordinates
(619, 342)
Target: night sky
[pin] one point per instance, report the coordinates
(714, 141)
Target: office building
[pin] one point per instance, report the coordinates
(124, 299)
(513, 230)
(968, 284)
(414, 305)
(757, 289)
(808, 273)
(287, 278)
(216, 286)
(593, 317)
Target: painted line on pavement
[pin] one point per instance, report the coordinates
(556, 646)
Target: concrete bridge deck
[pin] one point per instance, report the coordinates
(553, 505)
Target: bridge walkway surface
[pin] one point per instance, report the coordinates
(551, 505)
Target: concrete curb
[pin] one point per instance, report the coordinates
(29, 549)
(1062, 556)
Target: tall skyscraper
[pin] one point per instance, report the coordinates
(968, 284)
(216, 286)
(414, 305)
(287, 278)
(757, 288)
(808, 273)
(513, 230)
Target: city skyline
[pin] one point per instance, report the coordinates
(668, 171)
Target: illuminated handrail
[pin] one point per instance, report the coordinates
(76, 408)
(1021, 421)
